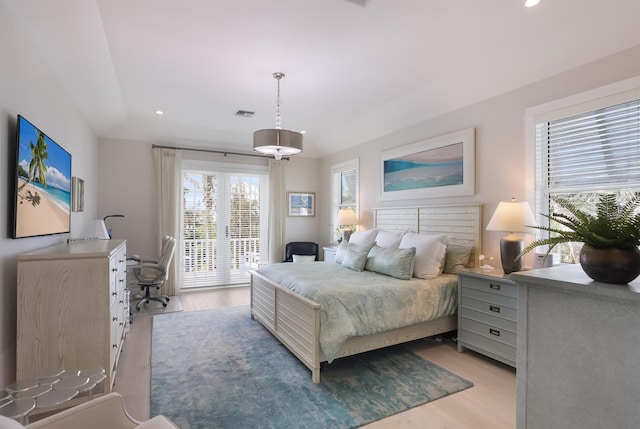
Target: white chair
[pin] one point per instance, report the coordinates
(105, 412)
(152, 274)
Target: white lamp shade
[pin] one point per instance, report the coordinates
(347, 217)
(512, 216)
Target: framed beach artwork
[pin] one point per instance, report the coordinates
(437, 167)
(42, 203)
(301, 203)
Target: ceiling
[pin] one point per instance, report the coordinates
(353, 72)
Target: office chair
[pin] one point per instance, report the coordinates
(152, 274)
(300, 248)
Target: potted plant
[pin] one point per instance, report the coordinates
(611, 236)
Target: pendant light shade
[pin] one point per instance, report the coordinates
(276, 141)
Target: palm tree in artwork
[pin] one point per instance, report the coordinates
(37, 166)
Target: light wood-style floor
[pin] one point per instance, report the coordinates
(489, 404)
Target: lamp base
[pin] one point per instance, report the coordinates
(346, 234)
(510, 247)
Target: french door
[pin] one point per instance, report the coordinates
(224, 223)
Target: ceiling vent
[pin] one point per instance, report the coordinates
(362, 3)
(245, 113)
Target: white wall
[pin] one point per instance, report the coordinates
(27, 87)
(500, 143)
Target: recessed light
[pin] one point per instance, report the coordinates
(531, 3)
(159, 112)
(303, 132)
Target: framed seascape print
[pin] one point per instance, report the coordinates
(442, 166)
(301, 203)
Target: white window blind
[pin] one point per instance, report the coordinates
(591, 152)
(344, 189)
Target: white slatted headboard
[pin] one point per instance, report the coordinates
(460, 221)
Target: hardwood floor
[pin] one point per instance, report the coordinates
(489, 404)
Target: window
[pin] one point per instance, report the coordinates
(344, 189)
(586, 149)
(224, 230)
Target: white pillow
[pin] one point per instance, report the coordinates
(363, 237)
(304, 258)
(430, 253)
(389, 238)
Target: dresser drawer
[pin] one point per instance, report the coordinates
(490, 286)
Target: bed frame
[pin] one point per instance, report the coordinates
(295, 320)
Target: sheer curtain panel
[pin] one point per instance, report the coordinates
(167, 174)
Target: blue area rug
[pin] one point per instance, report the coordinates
(221, 369)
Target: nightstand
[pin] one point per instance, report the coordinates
(329, 253)
(487, 314)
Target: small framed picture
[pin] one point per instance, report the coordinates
(301, 203)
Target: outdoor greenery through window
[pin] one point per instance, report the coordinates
(223, 227)
(585, 155)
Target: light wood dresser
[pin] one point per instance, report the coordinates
(487, 314)
(73, 309)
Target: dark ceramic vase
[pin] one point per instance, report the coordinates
(613, 265)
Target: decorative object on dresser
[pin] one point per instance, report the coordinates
(487, 314)
(610, 232)
(511, 217)
(73, 308)
(263, 385)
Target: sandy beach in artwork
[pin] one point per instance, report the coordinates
(37, 214)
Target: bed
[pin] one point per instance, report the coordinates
(297, 320)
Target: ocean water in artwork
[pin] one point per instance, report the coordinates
(428, 169)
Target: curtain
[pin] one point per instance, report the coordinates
(277, 211)
(167, 178)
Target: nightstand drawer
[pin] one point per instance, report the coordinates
(480, 342)
(491, 286)
(489, 319)
(489, 308)
(489, 298)
(491, 332)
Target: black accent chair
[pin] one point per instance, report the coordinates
(300, 248)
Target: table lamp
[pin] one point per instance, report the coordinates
(511, 217)
(346, 219)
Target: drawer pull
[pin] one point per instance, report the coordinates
(495, 286)
(494, 332)
(494, 308)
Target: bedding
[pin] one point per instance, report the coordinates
(362, 303)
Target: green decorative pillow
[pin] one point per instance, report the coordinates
(341, 250)
(396, 263)
(355, 259)
(457, 257)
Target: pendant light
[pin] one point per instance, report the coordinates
(276, 141)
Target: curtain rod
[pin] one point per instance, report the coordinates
(223, 152)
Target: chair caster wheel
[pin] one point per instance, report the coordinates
(164, 305)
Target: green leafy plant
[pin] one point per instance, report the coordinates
(611, 225)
